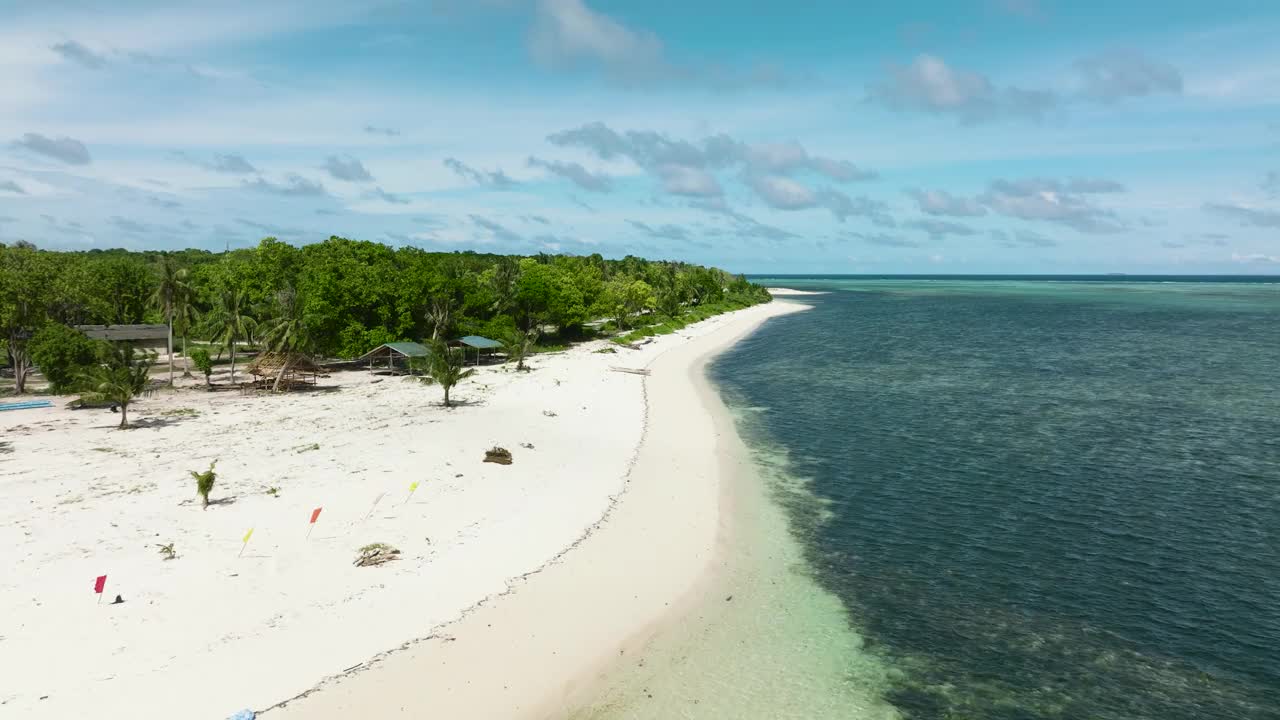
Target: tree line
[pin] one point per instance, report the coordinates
(338, 298)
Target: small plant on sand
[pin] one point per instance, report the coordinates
(273, 491)
(519, 343)
(204, 364)
(444, 367)
(204, 483)
(167, 551)
(376, 554)
(120, 379)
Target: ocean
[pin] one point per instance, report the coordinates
(1045, 497)
(997, 498)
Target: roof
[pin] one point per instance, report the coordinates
(125, 332)
(407, 349)
(482, 343)
(269, 363)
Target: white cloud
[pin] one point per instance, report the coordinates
(941, 202)
(930, 85)
(346, 168)
(63, 149)
(1117, 74)
(567, 31)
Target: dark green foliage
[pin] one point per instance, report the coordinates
(341, 298)
(63, 355)
(518, 344)
(203, 362)
(122, 375)
(445, 366)
(204, 483)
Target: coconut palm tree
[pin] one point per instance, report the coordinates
(171, 291)
(228, 322)
(444, 367)
(519, 343)
(123, 377)
(287, 332)
(185, 319)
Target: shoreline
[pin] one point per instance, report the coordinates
(79, 499)
(552, 641)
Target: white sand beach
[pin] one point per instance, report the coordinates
(792, 292)
(497, 606)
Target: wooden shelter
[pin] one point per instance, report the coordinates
(477, 343)
(393, 353)
(147, 336)
(299, 370)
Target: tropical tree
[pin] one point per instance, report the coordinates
(120, 378)
(444, 367)
(624, 298)
(63, 355)
(24, 283)
(440, 314)
(287, 332)
(229, 322)
(186, 316)
(170, 292)
(204, 364)
(519, 343)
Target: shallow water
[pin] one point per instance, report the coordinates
(771, 643)
(1048, 499)
(998, 499)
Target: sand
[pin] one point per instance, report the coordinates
(210, 632)
(792, 292)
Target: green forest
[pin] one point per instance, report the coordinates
(340, 298)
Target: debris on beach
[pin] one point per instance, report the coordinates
(376, 554)
(167, 551)
(527, 446)
(549, 413)
(499, 455)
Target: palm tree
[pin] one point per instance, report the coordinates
(444, 367)
(171, 291)
(440, 314)
(519, 343)
(185, 318)
(287, 332)
(123, 377)
(228, 323)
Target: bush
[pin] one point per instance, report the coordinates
(62, 354)
(204, 363)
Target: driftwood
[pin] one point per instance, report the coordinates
(633, 371)
(499, 455)
(376, 554)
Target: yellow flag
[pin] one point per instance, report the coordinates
(248, 535)
(413, 486)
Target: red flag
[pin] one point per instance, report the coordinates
(315, 514)
(99, 584)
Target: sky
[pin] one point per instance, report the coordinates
(942, 136)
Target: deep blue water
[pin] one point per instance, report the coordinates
(1048, 499)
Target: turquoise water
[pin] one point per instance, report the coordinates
(1041, 498)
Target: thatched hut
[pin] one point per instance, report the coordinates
(283, 370)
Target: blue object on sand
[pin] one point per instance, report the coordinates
(25, 405)
(242, 715)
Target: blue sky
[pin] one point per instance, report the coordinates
(957, 136)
